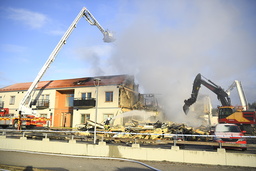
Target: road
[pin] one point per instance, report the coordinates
(42, 161)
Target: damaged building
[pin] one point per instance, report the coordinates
(71, 102)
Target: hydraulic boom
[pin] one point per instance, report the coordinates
(240, 91)
(221, 94)
(24, 107)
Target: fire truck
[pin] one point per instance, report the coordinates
(227, 113)
(28, 121)
(26, 115)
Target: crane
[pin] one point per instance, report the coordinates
(240, 91)
(108, 37)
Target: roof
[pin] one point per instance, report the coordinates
(68, 83)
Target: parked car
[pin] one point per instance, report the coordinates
(230, 134)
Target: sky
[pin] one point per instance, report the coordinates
(163, 43)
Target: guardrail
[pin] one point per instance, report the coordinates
(164, 138)
(129, 133)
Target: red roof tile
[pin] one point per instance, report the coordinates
(75, 82)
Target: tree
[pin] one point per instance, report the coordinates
(252, 105)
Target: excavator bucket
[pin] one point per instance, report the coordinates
(185, 108)
(192, 99)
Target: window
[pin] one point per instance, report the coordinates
(84, 117)
(1, 102)
(227, 128)
(43, 115)
(89, 95)
(109, 96)
(12, 100)
(45, 97)
(44, 100)
(86, 96)
(83, 96)
(225, 112)
(70, 100)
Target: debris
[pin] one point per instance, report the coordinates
(155, 131)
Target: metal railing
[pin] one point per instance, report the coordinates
(41, 103)
(164, 138)
(84, 102)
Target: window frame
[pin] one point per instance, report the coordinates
(86, 95)
(109, 96)
(12, 100)
(69, 100)
(45, 96)
(43, 115)
(85, 117)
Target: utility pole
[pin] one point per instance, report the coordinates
(96, 84)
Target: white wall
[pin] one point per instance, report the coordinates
(103, 106)
(221, 157)
(13, 109)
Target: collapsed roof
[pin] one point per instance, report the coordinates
(75, 82)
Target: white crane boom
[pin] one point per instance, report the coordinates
(108, 37)
(240, 91)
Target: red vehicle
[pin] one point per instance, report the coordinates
(28, 121)
(230, 134)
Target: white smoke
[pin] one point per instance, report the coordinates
(169, 42)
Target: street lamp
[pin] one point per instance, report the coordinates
(96, 84)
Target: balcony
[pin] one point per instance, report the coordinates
(83, 103)
(41, 103)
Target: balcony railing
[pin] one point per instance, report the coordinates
(41, 103)
(84, 103)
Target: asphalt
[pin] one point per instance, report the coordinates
(27, 161)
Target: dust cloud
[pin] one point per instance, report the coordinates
(167, 44)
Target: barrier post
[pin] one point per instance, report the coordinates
(72, 140)
(46, 139)
(23, 136)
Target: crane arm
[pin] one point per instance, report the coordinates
(108, 37)
(221, 94)
(240, 91)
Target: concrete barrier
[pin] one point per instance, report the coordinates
(174, 154)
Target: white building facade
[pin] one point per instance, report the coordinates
(71, 102)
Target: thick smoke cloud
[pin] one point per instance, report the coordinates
(168, 43)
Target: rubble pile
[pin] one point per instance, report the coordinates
(158, 130)
(145, 130)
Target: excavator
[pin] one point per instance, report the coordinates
(226, 112)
